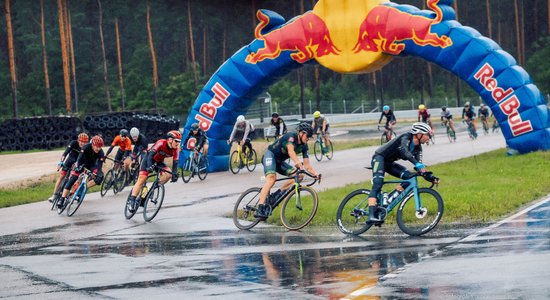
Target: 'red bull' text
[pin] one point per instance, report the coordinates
(208, 111)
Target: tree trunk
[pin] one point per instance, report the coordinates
(45, 58)
(430, 83)
(489, 20)
(73, 65)
(253, 7)
(105, 74)
(317, 89)
(192, 44)
(153, 57)
(204, 55)
(381, 85)
(119, 62)
(224, 44)
(11, 51)
(456, 9)
(64, 55)
(458, 92)
(301, 75)
(518, 38)
(548, 16)
(522, 24)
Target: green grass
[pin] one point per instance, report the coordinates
(474, 190)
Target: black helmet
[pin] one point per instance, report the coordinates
(195, 126)
(274, 115)
(444, 108)
(304, 126)
(123, 132)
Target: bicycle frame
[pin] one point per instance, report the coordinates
(296, 186)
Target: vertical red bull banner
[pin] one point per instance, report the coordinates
(353, 36)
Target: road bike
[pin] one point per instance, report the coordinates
(320, 149)
(496, 126)
(194, 165)
(419, 209)
(114, 178)
(485, 124)
(299, 204)
(77, 193)
(133, 170)
(59, 190)
(240, 159)
(451, 134)
(472, 133)
(150, 198)
(388, 134)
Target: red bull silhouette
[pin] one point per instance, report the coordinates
(374, 30)
(308, 35)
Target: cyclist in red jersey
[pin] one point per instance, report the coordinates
(424, 116)
(154, 158)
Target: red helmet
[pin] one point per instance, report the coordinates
(174, 134)
(97, 141)
(83, 138)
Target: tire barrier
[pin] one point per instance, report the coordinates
(57, 132)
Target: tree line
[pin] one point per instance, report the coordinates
(89, 56)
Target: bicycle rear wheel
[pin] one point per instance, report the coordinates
(235, 163)
(299, 209)
(153, 202)
(318, 150)
(128, 214)
(187, 170)
(418, 222)
(352, 214)
(251, 162)
(383, 139)
(107, 183)
(203, 168)
(243, 212)
(121, 176)
(76, 200)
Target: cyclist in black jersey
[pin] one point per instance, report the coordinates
(469, 115)
(200, 140)
(274, 161)
(390, 119)
(483, 113)
(407, 146)
(140, 144)
(277, 121)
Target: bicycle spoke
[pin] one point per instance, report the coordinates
(352, 214)
(419, 221)
(153, 202)
(298, 209)
(243, 212)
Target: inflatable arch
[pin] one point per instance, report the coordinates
(353, 36)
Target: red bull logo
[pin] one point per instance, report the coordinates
(376, 35)
(308, 35)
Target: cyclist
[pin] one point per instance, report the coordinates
(320, 122)
(277, 122)
(201, 140)
(162, 149)
(407, 146)
(390, 119)
(68, 158)
(91, 157)
(469, 116)
(243, 133)
(483, 113)
(274, 161)
(124, 147)
(140, 144)
(447, 117)
(424, 115)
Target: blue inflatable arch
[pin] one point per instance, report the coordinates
(504, 86)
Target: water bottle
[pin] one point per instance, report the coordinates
(392, 196)
(385, 199)
(144, 192)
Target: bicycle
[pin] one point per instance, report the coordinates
(388, 134)
(150, 199)
(240, 159)
(495, 127)
(77, 193)
(297, 211)
(114, 178)
(419, 210)
(451, 134)
(485, 125)
(60, 190)
(133, 171)
(472, 133)
(320, 150)
(194, 165)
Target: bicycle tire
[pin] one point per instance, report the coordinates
(203, 168)
(187, 170)
(235, 162)
(107, 183)
(76, 199)
(352, 213)
(59, 191)
(125, 180)
(120, 178)
(318, 150)
(330, 151)
(69, 196)
(383, 139)
(154, 197)
(409, 220)
(251, 163)
(127, 213)
(298, 213)
(243, 212)
(485, 128)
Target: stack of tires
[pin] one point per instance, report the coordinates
(38, 133)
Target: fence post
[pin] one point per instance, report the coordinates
(331, 108)
(344, 106)
(310, 107)
(412, 103)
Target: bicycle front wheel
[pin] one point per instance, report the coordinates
(353, 213)
(299, 208)
(235, 163)
(383, 139)
(203, 168)
(76, 200)
(153, 202)
(243, 212)
(413, 221)
(251, 161)
(318, 151)
(330, 151)
(107, 182)
(128, 211)
(187, 170)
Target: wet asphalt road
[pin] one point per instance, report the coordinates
(193, 250)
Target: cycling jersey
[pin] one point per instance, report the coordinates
(124, 147)
(277, 123)
(70, 155)
(446, 114)
(470, 113)
(279, 147)
(390, 117)
(243, 130)
(402, 147)
(200, 139)
(483, 112)
(89, 159)
(140, 145)
(424, 115)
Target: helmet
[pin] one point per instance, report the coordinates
(316, 114)
(421, 127)
(123, 132)
(134, 132)
(274, 115)
(304, 126)
(240, 118)
(421, 106)
(195, 126)
(467, 104)
(97, 141)
(174, 134)
(386, 108)
(482, 104)
(443, 108)
(83, 138)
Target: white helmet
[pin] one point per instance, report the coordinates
(240, 118)
(134, 132)
(421, 127)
